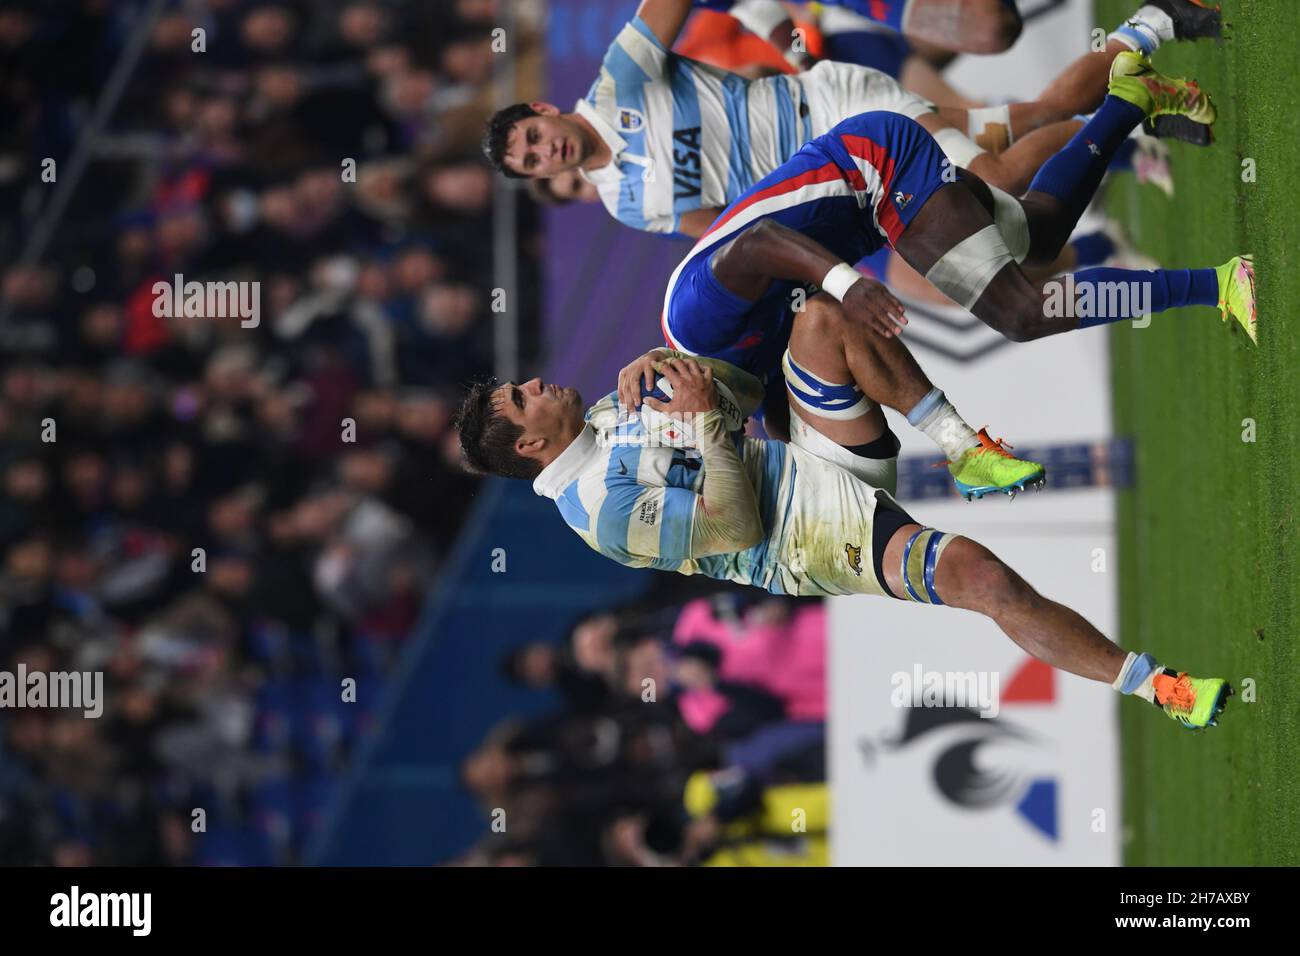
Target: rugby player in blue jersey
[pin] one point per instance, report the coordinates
(879, 179)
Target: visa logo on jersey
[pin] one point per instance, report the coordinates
(686, 163)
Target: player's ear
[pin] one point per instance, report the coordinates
(546, 109)
(529, 446)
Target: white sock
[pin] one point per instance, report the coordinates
(1145, 30)
(1161, 23)
(1147, 688)
(947, 429)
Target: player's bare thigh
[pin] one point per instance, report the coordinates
(1010, 303)
(954, 212)
(816, 345)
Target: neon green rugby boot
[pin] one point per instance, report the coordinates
(1134, 79)
(1237, 293)
(989, 467)
(1195, 702)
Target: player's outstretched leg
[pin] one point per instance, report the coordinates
(1080, 87)
(1067, 182)
(1013, 169)
(832, 365)
(931, 567)
(956, 244)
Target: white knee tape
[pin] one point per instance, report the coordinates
(958, 147)
(819, 397)
(966, 269)
(1012, 223)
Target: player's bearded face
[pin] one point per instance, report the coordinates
(542, 146)
(543, 410)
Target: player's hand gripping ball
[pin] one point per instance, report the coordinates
(677, 433)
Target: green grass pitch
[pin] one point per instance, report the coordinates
(1209, 562)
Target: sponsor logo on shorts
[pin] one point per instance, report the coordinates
(854, 555)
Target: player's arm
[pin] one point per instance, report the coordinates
(665, 18)
(693, 222)
(696, 222)
(727, 517)
(768, 251)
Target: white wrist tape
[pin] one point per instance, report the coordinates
(839, 280)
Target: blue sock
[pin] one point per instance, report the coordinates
(1123, 159)
(1144, 293)
(1144, 39)
(1138, 672)
(928, 403)
(1073, 174)
(1092, 249)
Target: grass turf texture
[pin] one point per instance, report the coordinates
(1209, 563)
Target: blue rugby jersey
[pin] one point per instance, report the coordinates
(853, 190)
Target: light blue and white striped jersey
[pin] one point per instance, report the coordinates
(633, 499)
(685, 135)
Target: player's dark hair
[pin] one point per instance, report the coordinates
(487, 438)
(498, 135)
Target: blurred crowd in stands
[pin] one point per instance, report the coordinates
(686, 735)
(184, 507)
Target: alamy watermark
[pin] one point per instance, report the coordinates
(75, 908)
(1096, 300)
(74, 690)
(208, 300)
(977, 690)
(649, 428)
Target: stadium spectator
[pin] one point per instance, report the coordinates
(206, 527)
